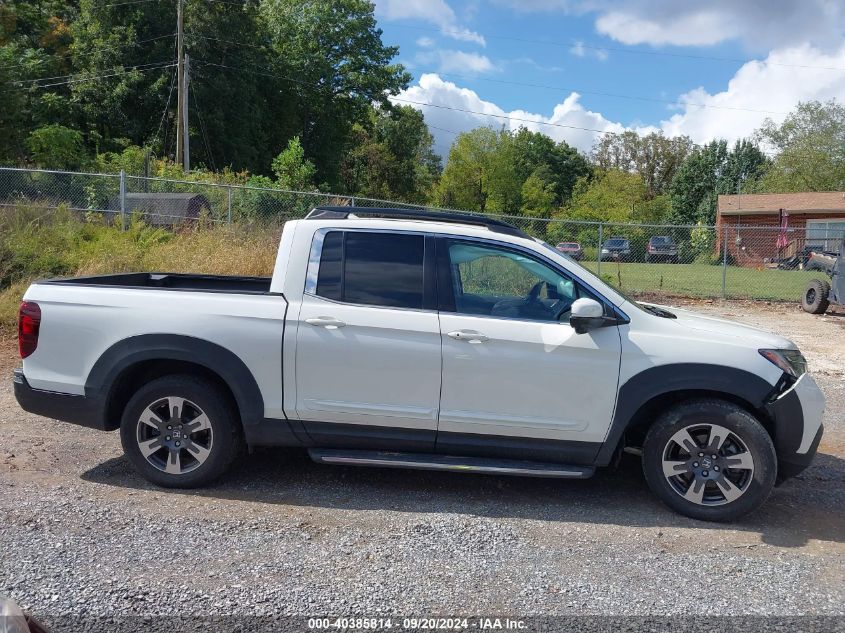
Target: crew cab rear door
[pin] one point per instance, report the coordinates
(368, 341)
(518, 381)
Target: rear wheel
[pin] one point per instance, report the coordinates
(709, 460)
(815, 300)
(179, 432)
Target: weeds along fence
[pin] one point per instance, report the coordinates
(736, 261)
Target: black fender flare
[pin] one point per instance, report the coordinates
(163, 347)
(678, 377)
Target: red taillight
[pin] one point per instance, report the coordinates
(29, 322)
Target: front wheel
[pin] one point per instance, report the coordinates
(179, 432)
(709, 460)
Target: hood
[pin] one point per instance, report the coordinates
(724, 329)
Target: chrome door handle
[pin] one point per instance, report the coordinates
(330, 323)
(469, 336)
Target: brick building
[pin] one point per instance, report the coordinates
(765, 226)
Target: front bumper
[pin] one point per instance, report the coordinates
(797, 414)
(82, 410)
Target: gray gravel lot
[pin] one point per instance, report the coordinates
(82, 534)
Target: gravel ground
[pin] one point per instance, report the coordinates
(81, 534)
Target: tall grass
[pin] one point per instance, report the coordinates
(37, 243)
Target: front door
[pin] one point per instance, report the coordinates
(368, 343)
(517, 380)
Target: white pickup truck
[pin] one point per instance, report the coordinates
(421, 340)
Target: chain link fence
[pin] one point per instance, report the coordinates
(730, 261)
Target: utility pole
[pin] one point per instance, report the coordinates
(180, 78)
(186, 150)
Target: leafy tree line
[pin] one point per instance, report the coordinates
(84, 79)
(295, 94)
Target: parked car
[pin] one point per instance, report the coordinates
(411, 339)
(661, 248)
(617, 248)
(573, 249)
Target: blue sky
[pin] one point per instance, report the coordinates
(702, 69)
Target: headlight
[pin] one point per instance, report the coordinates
(791, 361)
(604, 250)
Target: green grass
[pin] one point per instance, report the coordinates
(704, 280)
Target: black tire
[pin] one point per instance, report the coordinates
(746, 461)
(217, 443)
(816, 297)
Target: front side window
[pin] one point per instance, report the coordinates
(379, 269)
(498, 282)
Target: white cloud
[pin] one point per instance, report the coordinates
(432, 89)
(758, 24)
(775, 85)
(579, 50)
(703, 28)
(449, 61)
(760, 89)
(436, 12)
(425, 42)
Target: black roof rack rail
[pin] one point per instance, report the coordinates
(337, 213)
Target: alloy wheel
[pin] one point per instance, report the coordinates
(708, 464)
(174, 435)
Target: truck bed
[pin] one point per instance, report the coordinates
(172, 281)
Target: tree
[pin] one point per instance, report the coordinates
(57, 147)
(294, 171)
(709, 171)
(810, 146)
(654, 156)
(34, 42)
(538, 197)
(336, 67)
(466, 180)
(391, 157)
(610, 196)
(487, 170)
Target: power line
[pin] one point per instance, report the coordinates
(609, 94)
(93, 77)
(166, 106)
(501, 116)
(217, 39)
(616, 49)
(560, 88)
(120, 4)
(202, 128)
(423, 103)
(234, 4)
(35, 81)
(258, 72)
(88, 53)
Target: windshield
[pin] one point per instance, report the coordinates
(662, 240)
(590, 278)
(616, 243)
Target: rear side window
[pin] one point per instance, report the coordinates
(380, 269)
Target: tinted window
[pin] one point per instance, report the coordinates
(328, 278)
(382, 269)
(616, 243)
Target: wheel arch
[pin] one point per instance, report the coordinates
(645, 395)
(134, 361)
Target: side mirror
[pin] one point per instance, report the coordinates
(586, 315)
